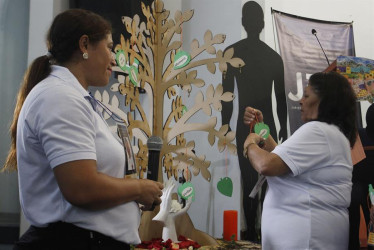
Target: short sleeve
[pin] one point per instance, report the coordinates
(63, 122)
(307, 148)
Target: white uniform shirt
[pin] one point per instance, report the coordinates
(307, 209)
(58, 124)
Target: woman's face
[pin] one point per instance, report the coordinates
(309, 105)
(100, 62)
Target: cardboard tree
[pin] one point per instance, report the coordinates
(155, 63)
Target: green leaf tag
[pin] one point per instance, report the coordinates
(133, 75)
(225, 186)
(262, 130)
(121, 60)
(181, 59)
(135, 63)
(186, 190)
(184, 109)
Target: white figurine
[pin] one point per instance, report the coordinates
(169, 210)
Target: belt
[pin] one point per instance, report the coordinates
(62, 235)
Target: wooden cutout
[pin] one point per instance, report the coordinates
(152, 44)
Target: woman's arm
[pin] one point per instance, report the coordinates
(83, 186)
(262, 160)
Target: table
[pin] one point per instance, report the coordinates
(240, 244)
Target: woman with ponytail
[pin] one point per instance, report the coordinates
(70, 166)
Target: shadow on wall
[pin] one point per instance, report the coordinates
(263, 67)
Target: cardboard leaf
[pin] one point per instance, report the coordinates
(121, 60)
(262, 130)
(236, 62)
(177, 15)
(188, 15)
(207, 36)
(186, 190)
(225, 186)
(194, 45)
(105, 96)
(229, 53)
(195, 170)
(211, 138)
(210, 91)
(127, 21)
(230, 136)
(192, 74)
(207, 110)
(232, 149)
(219, 90)
(222, 66)
(227, 97)
(114, 87)
(175, 45)
(133, 75)
(224, 129)
(181, 59)
(199, 98)
(212, 122)
(204, 169)
(219, 38)
(217, 105)
(221, 145)
(115, 101)
(184, 109)
(198, 83)
(211, 50)
(211, 67)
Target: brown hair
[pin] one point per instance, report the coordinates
(337, 102)
(62, 42)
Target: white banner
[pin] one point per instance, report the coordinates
(300, 40)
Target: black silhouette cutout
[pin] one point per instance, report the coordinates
(254, 81)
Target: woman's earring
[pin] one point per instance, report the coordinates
(85, 55)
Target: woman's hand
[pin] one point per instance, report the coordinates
(251, 116)
(263, 161)
(151, 192)
(252, 138)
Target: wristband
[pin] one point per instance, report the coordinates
(246, 149)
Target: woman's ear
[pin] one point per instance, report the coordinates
(83, 43)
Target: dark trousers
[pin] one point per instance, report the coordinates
(362, 176)
(62, 236)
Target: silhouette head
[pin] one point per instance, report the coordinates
(252, 17)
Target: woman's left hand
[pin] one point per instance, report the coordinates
(252, 116)
(252, 138)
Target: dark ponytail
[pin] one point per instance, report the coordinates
(37, 71)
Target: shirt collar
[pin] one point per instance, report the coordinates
(65, 75)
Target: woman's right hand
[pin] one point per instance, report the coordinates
(150, 193)
(252, 116)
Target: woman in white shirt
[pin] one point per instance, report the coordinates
(70, 166)
(309, 175)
